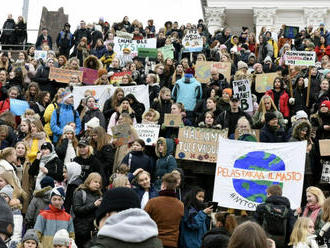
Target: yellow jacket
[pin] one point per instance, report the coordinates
(275, 47)
(47, 115)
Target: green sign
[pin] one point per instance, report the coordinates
(147, 52)
(167, 51)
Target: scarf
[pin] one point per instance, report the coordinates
(167, 193)
(43, 161)
(314, 208)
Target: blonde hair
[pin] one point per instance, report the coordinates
(120, 181)
(326, 210)
(88, 181)
(262, 107)
(90, 151)
(318, 193)
(5, 153)
(300, 230)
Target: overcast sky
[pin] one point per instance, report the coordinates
(182, 11)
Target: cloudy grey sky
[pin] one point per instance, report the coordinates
(112, 10)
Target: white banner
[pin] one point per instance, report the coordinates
(300, 58)
(243, 91)
(192, 42)
(39, 54)
(245, 170)
(104, 92)
(133, 45)
(148, 132)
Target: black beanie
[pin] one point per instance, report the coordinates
(117, 199)
(47, 181)
(6, 218)
(47, 145)
(269, 116)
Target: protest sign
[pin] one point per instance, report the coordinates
(141, 92)
(325, 176)
(18, 107)
(291, 32)
(192, 42)
(148, 132)
(89, 76)
(203, 70)
(199, 144)
(167, 51)
(245, 170)
(241, 88)
(117, 77)
(173, 120)
(324, 147)
(265, 81)
(147, 52)
(38, 54)
(124, 35)
(133, 45)
(300, 58)
(63, 75)
(121, 133)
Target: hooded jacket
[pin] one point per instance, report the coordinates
(138, 159)
(97, 64)
(90, 113)
(40, 200)
(297, 129)
(131, 228)
(165, 162)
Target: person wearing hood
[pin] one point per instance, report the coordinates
(298, 101)
(272, 132)
(93, 111)
(64, 41)
(162, 103)
(8, 32)
(264, 49)
(137, 107)
(63, 115)
(40, 200)
(46, 163)
(136, 158)
(123, 224)
(72, 180)
(165, 163)
(269, 66)
(275, 198)
(53, 218)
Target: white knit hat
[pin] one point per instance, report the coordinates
(241, 65)
(68, 129)
(61, 237)
(94, 122)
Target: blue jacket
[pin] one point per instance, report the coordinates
(99, 51)
(187, 93)
(193, 227)
(166, 162)
(66, 116)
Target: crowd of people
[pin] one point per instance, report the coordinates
(65, 181)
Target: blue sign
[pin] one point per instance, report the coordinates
(18, 107)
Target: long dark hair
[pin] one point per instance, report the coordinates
(191, 201)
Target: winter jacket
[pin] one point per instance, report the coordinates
(138, 159)
(5, 166)
(163, 107)
(166, 210)
(89, 165)
(99, 51)
(276, 200)
(84, 211)
(131, 228)
(40, 201)
(61, 149)
(140, 191)
(47, 116)
(165, 163)
(257, 123)
(269, 136)
(20, 32)
(193, 227)
(34, 143)
(90, 114)
(51, 220)
(64, 40)
(41, 39)
(54, 167)
(107, 156)
(82, 32)
(321, 51)
(283, 102)
(187, 93)
(42, 78)
(66, 115)
(215, 237)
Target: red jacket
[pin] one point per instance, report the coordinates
(283, 102)
(4, 105)
(320, 53)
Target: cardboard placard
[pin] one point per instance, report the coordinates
(254, 132)
(265, 81)
(192, 42)
(39, 54)
(116, 78)
(133, 45)
(300, 58)
(121, 133)
(63, 75)
(203, 70)
(173, 120)
(147, 52)
(324, 147)
(242, 90)
(167, 51)
(89, 76)
(148, 132)
(199, 144)
(124, 35)
(325, 176)
(290, 32)
(18, 107)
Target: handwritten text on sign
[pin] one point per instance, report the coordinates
(63, 76)
(243, 91)
(300, 58)
(148, 132)
(133, 45)
(199, 144)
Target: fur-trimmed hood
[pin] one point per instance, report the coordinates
(168, 147)
(298, 127)
(97, 64)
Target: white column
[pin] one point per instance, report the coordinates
(215, 18)
(314, 16)
(264, 17)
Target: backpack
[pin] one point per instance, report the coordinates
(58, 115)
(275, 218)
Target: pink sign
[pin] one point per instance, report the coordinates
(89, 76)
